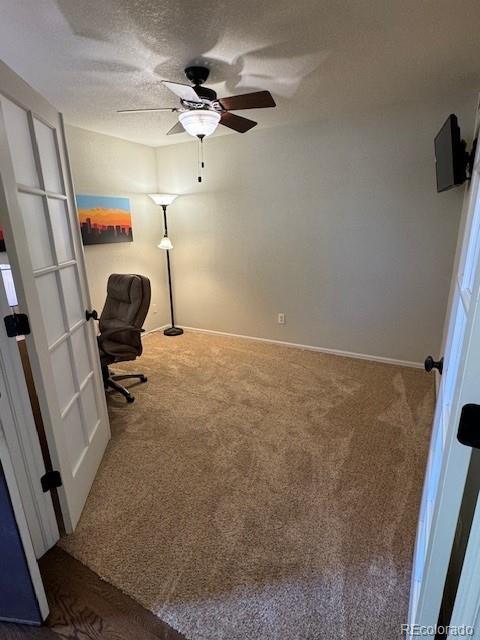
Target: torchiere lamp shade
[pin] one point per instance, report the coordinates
(163, 198)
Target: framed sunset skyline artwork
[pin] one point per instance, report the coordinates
(104, 219)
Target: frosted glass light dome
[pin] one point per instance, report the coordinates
(200, 122)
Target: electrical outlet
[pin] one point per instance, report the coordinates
(154, 308)
(281, 318)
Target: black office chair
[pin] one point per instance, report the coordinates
(121, 325)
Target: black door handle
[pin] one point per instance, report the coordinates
(91, 314)
(430, 364)
(469, 426)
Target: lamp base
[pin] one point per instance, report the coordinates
(173, 331)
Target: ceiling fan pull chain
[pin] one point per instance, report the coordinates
(199, 168)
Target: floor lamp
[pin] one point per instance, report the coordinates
(163, 200)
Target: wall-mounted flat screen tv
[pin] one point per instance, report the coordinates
(450, 155)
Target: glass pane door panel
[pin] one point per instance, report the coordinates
(80, 349)
(20, 144)
(35, 219)
(62, 373)
(473, 246)
(452, 360)
(89, 403)
(434, 474)
(51, 307)
(60, 229)
(71, 293)
(47, 147)
(422, 551)
(75, 437)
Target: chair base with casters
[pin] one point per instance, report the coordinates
(111, 381)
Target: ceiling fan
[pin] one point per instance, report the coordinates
(200, 110)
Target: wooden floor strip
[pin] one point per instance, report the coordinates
(84, 607)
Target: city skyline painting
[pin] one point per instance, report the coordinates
(104, 219)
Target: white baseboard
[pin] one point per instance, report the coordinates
(150, 331)
(307, 347)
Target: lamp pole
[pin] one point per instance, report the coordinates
(173, 330)
(163, 200)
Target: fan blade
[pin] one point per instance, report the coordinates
(237, 123)
(177, 128)
(183, 91)
(148, 110)
(255, 100)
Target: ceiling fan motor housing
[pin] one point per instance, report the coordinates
(197, 75)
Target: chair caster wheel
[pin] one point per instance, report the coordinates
(130, 399)
(143, 379)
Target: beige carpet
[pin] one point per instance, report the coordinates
(260, 492)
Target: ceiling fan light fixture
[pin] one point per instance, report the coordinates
(199, 122)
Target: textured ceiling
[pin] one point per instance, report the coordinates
(91, 57)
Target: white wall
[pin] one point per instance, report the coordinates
(103, 165)
(337, 225)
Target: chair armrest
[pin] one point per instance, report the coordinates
(110, 332)
(105, 335)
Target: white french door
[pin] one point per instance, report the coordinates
(448, 459)
(37, 213)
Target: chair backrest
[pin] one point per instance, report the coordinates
(128, 301)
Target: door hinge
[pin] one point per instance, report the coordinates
(51, 480)
(17, 324)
